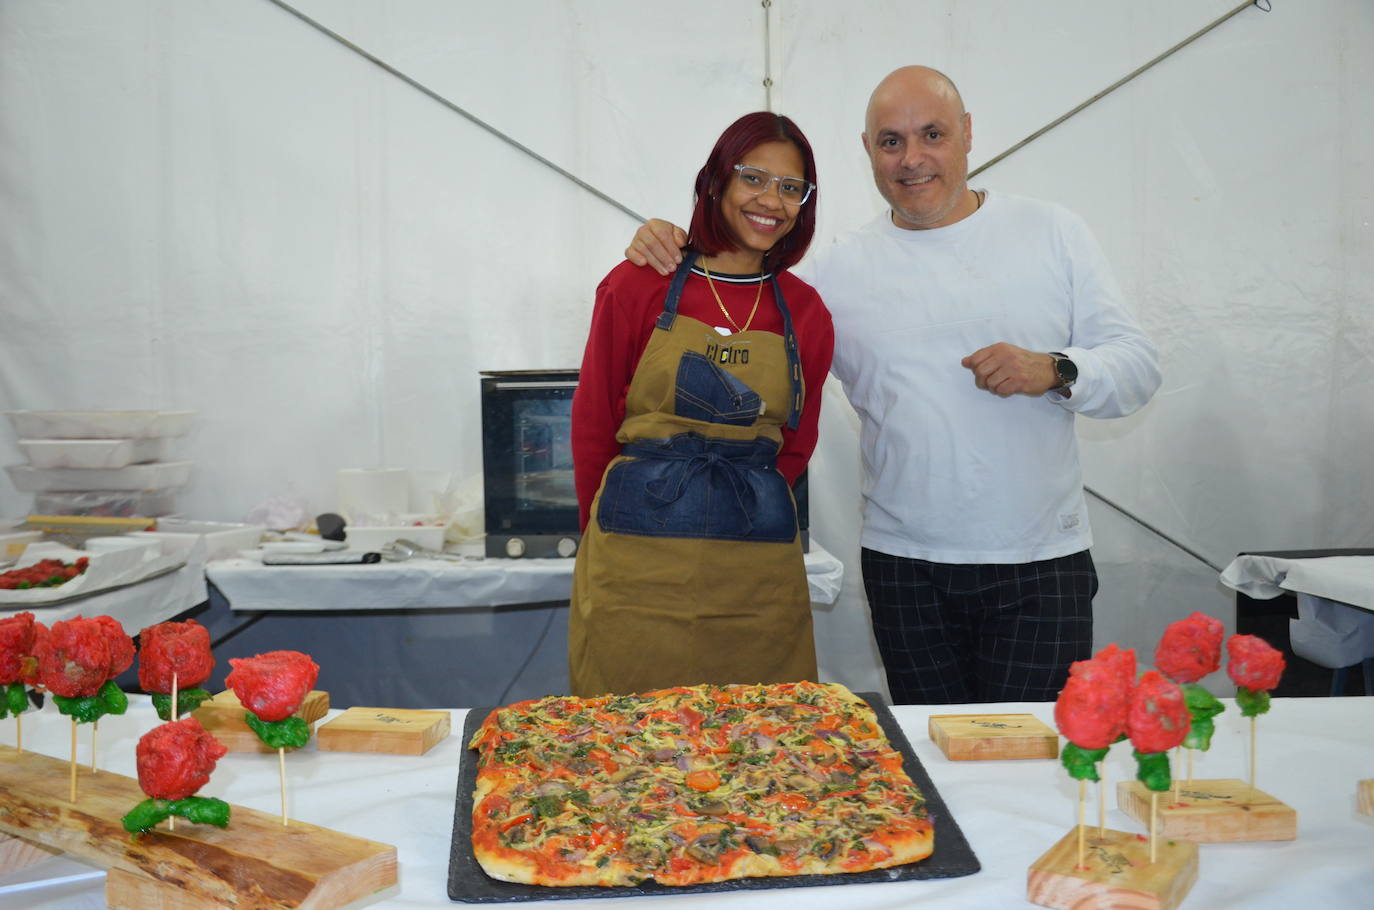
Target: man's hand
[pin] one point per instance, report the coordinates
(1004, 369)
(658, 244)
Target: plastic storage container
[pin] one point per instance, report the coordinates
(99, 424)
(157, 476)
(91, 453)
(107, 503)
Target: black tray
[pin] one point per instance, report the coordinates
(952, 857)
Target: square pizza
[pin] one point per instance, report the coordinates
(692, 784)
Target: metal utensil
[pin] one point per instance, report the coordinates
(400, 550)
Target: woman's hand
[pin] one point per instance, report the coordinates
(658, 244)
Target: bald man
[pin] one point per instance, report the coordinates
(970, 329)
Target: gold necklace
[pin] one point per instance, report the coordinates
(757, 297)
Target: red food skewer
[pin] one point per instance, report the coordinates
(1156, 721)
(272, 687)
(77, 658)
(18, 667)
(1255, 667)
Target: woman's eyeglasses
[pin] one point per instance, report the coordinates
(756, 181)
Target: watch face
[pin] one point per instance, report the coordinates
(1068, 371)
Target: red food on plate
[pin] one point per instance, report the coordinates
(1253, 663)
(16, 644)
(74, 657)
(1158, 717)
(176, 759)
(182, 648)
(46, 573)
(1091, 708)
(1190, 648)
(121, 646)
(274, 684)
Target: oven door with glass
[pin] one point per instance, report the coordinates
(531, 498)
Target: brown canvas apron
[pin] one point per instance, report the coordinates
(690, 570)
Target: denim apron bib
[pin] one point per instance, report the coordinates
(690, 570)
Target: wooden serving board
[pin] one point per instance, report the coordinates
(395, 731)
(1116, 872)
(981, 737)
(255, 863)
(1364, 796)
(222, 716)
(1212, 811)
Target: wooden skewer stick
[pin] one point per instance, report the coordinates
(1177, 750)
(1154, 815)
(73, 762)
(281, 765)
(19, 732)
(1082, 799)
(1254, 746)
(1102, 801)
(172, 819)
(1190, 767)
(95, 733)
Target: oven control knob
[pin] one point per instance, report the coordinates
(515, 548)
(567, 547)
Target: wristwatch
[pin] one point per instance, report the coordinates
(1065, 370)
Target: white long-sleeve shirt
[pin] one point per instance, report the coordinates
(953, 473)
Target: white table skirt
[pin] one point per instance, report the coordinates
(421, 583)
(1312, 752)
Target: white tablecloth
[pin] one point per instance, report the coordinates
(1347, 579)
(420, 583)
(1335, 624)
(1312, 752)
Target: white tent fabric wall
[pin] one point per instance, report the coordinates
(211, 205)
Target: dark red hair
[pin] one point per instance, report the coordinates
(709, 234)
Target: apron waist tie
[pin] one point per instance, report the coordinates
(686, 465)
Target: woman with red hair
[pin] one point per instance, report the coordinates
(696, 409)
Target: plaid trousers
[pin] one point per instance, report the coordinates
(959, 634)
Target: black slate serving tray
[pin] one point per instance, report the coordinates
(952, 857)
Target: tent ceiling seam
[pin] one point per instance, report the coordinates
(465, 114)
(1263, 5)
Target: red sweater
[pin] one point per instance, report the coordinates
(628, 301)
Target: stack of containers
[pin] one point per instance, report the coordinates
(109, 464)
